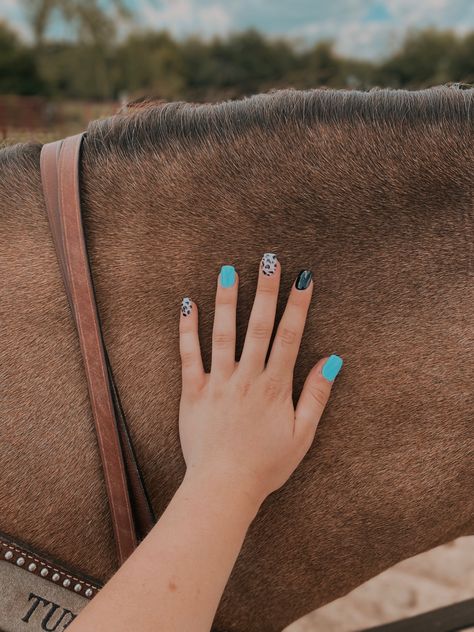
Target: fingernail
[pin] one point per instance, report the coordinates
(186, 306)
(303, 279)
(331, 367)
(268, 264)
(227, 276)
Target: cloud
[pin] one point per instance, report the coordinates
(376, 29)
(362, 28)
(12, 12)
(363, 40)
(183, 17)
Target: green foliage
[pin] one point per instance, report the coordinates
(152, 63)
(92, 24)
(428, 57)
(97, 65)
(461, 60)
(18, 70)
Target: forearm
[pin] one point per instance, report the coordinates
(175, 579)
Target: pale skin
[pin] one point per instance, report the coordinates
(241, 438)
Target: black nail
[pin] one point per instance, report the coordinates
(303, 279)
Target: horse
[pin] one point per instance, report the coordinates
(372, 191)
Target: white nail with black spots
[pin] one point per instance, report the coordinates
(186, 306)
(269, 263)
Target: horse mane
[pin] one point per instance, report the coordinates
(149, 125)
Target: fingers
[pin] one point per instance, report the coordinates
(315, 395)
(287, 341)
(262, 317)
(223, 333)
(192, 369)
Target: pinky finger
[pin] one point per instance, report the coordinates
(315, 395)
(192, 369)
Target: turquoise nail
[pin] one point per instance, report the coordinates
(227, 276)
(331, 367)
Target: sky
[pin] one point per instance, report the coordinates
(361, 28)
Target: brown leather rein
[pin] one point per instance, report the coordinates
(130, 508)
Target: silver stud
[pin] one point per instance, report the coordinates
(78, 588)
(8, 555)
(55, 577)
(20, 561)
(66, 583)
(44, 572)
(88, 592)
(32, 567)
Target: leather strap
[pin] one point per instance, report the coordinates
(454, 618)
(125, 489)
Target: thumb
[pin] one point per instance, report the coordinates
(315, 395)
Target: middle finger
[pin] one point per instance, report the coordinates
(262, 317)
(223, 332)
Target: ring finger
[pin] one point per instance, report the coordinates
(286, 344)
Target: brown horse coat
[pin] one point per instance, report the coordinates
(373, 192)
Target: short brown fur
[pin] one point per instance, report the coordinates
(373, 192)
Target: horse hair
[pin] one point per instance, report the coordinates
(147, 126)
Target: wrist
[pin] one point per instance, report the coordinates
(225, 490)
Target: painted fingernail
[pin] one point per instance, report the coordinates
(268, 264)
(331, 367)
(227, 276)
(186, 306)
(303, 279)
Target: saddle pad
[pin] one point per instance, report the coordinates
(37, 593)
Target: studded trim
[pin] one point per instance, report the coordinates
(38, 565)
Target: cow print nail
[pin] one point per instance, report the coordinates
(186, 306)
(269, 263)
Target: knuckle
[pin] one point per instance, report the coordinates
(243, 387)
(186, 328)
(187, 359)
(225, 298)
(260, 331)
(222, 339)
(307, 435)
(276, 387)
(272, 389)
(299, 300)
(319, 395)
(267, 288)
(215, 392)
(288, 336)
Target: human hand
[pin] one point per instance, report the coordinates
(238, 422)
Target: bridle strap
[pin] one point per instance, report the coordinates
(60, 179)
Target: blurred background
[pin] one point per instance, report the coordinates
(64, 62)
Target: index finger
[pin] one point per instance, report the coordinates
(287, 341)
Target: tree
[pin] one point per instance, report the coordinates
(95, 32)
(92, 22)
(461, 64)
(423, 60)
(150, 62)
(18, 71)
(320, 66)
(243, 63)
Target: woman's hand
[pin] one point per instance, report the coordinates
(241, 438)
(238, 422)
